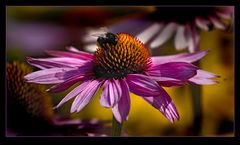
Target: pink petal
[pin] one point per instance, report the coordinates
(121, 110)
(202, 81)
(142, 85)
(111, 93)
(203, 78)
(85, 96)
(175, 70)
(149, 32)
(74, 92)
(65, 85)
(44, 63)
(225, 12)
(166, 81)
(218, 23)
(180, 40)
(73, 49)
(52, 75)
(205, 74)
(164, 104)
(224, 15)
(80, 55)
(171, 83)
(203, 23)
(193, 40)
(183, 57)
(164, 35)
(156, 78)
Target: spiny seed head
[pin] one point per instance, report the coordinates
(26, 99)
(119, 55)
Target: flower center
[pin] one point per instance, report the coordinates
(119, 55)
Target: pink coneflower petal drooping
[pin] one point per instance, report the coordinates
(121, 64)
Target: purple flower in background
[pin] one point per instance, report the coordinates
(156, 27)
(29, 110)
(121, 64)
(29, 36)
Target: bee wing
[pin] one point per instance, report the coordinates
(92, 34)
(99, 32)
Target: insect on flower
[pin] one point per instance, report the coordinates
(155, 27)
(120, 64)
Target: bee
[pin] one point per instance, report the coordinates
(101, 36)
(108, 38)
(119, 54)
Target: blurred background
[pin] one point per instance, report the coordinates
(32, 30)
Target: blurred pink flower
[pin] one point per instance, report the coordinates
(35, 37)
(121, 64)
(158, 26)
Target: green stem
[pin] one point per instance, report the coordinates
(196, 92)
(197, 109)
(116, 127)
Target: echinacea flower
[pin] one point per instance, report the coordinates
(121, 64)
(158, 26)
(28, 101)
(29, 110)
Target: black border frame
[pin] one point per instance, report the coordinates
(130, 140)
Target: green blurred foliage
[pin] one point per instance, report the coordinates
(15, 54)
